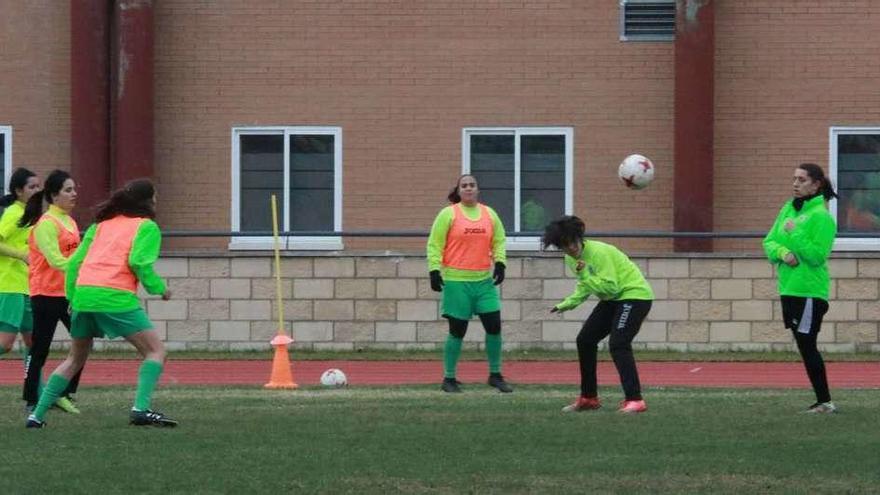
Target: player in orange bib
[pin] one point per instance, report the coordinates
(466, 260)
(54, 238)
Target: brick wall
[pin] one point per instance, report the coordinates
(403, 78)
(784, 73)
(349, 302)
(35, 81)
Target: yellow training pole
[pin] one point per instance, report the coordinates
(282, 376)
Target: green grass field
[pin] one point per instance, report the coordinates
(418, 440)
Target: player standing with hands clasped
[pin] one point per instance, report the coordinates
(799, 244)
(466, 238)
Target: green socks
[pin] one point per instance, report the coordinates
(493, 352)
(451, 353)
(148, 377)
(56, 385)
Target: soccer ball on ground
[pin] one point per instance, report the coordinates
(333, 378)
(636, 171)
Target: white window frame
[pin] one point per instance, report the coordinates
(531, 243)
(286, 242)
(849, 243)
(6, 131)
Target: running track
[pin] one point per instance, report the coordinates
(688, 374)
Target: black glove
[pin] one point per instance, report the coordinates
(436, 281)
(499, 272)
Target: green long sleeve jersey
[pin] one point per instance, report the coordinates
(437, 243)
(46, 237)
(13, 243)
(144, 253)
(606, 272)
(810, 241)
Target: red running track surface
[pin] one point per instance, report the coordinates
(686, 374)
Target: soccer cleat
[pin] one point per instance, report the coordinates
(632, 406)
(497, 381)
(583, 404)
(150, 418)
(822, 408)
(451, 386)
(66, 405)
(33, 422)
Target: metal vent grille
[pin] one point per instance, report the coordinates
(647, 20)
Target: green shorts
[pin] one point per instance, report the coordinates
(15, 313)
(85, 324)
(462, 300)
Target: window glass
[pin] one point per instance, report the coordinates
(262, 174)
(858, 182)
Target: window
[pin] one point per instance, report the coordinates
(524, 174)
(647, 20)
(5, 156)
(302, 167)
(854, 167)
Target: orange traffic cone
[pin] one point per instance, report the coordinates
(282, 376)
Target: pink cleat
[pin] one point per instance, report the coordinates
(583, 404)
(632, 406)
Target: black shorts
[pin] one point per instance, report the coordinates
(803, 314)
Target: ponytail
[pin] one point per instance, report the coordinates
(827, 190)
(32, 210)
(135, 199)
(816, 173)
(7, 200)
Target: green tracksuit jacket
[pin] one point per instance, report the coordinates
(604, 271)
(811, 241)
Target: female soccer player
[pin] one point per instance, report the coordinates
(624, 301)
(101, 284)
(466, 260)
(15, 307)
(54, 238)
(798, 245)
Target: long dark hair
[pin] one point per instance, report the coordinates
(34, 208)
(135, 199)
(564, 231)
(817, 174)
(453, 196)
(18, 180)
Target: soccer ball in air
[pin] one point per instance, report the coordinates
(636, 171)
(333, 378)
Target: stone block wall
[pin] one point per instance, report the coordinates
(228, 302)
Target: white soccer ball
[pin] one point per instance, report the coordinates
(333, 378)
(636, 171)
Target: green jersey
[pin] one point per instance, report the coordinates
(13, 271)
(810, 241)
(144, 253)
(606, 272)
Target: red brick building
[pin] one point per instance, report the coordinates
(367, 111)
(360, 115)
